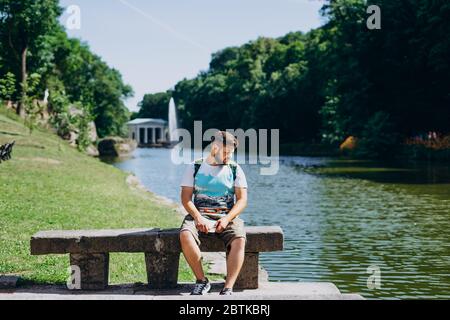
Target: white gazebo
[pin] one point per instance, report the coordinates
(148, 131)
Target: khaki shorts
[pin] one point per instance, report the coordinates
(235, 229)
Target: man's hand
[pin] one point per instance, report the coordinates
(222, 224)
(201, 224)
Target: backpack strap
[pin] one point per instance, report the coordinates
(197, 165)
(233, 167)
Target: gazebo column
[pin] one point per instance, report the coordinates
(138, 132)
(145, 135)
(161, 134)
(153, 135)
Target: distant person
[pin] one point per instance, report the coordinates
(214, 182)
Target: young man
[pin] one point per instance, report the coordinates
(214, 182)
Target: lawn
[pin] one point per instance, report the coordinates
(49, 185)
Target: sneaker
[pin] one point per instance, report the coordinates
(226, 292)
(201, 287)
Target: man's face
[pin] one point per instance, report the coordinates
(222, 153)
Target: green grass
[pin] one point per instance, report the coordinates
(48, 185)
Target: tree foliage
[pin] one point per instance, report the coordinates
(154, 106)
(32, 42)
(338, 80)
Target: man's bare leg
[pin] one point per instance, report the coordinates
(192, 254)
(235, 260)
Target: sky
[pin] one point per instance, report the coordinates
(156, 43)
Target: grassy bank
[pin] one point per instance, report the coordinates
(50, 185)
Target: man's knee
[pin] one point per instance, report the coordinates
(238, 243)
(186, 237)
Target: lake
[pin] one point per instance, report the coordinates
(341, 217)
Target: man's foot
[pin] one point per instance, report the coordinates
(226, 292)
(201, 287)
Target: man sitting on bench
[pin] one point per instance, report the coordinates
(214, 182)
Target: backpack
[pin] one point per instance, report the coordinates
(231, 164)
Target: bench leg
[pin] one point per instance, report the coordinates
(248, 277)
(162, 269)
(94, 269)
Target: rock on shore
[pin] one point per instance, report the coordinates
(116, 146)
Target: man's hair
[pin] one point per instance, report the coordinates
(226, 138)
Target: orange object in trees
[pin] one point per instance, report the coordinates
(349, 143)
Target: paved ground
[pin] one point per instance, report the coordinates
(267, 291)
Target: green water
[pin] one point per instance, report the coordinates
(340, 217)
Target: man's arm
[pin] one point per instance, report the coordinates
(186, 200)
(239, 206)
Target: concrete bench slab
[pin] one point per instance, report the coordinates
(89, 251)
(259, 239)
(94, 241)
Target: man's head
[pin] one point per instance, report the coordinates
(223, 146)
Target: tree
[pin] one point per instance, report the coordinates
(23, 25)
(32, 107)
(338, 80)
(88, 80)
(379, 138)
(155, 106)
(402, 69)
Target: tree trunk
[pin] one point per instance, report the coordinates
(20, 105)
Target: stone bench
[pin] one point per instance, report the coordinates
(89, 250)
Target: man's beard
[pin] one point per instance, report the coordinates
(219, 159)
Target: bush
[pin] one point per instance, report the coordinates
(7, 86)
(378, 139)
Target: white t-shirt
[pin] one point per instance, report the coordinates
(213, 185)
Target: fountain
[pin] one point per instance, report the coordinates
(173, 123)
